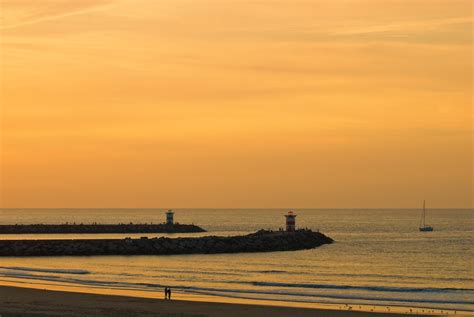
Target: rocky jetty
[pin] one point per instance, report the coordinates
(261, 241)
(99, 228)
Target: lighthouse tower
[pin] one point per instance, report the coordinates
(169, 217)
(290, 221)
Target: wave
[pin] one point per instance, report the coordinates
(324, 295)
(392, 276)
(253, 283)
(233, 292)
(180, 271)
(29, 269)
(244, 272)
(358, 275)
(318, 298)
(365, 288)
(76, 281)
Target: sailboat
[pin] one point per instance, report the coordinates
(423, 226)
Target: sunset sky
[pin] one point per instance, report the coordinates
(220, 103)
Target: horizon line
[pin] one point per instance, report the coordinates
(235, 208)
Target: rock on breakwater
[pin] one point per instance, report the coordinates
(99, 228)
(261, 241)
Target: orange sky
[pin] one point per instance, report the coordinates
(217, 103)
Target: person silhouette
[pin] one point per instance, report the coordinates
(169, 293)
(166, 292)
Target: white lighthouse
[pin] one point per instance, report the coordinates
(290, 221)
(169, 217)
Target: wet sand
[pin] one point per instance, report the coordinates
(15, 301)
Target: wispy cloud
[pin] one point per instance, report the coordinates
(408, 26)
(18, 14)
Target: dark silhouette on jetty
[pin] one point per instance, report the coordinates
(99, 228)
(261, 241)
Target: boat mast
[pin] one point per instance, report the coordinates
(424, 212)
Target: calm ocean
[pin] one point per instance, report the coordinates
(379, 257)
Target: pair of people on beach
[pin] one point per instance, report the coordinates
(167, 293)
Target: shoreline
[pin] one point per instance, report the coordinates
(18, 300)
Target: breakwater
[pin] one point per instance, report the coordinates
(99, 228)
(261, 241)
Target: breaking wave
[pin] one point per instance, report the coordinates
(278, 293)
(41, 270)
(365, 288)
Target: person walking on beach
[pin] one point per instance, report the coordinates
(169, 293)
(166, 292)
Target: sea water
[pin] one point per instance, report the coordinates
(379, 257)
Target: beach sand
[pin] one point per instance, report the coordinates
(15, 301)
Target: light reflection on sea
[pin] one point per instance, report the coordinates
(379, 258)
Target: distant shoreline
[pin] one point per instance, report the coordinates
(16, 301)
